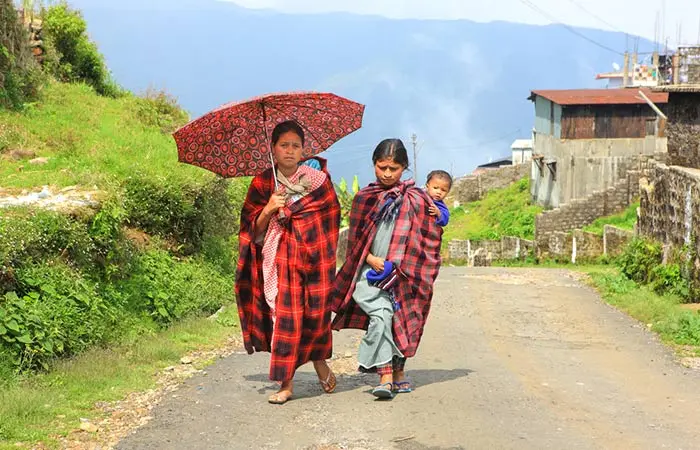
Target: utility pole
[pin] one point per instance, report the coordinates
(626, 70)
(414, 141)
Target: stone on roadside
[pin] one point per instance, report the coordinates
(186, 360)
(88, 427)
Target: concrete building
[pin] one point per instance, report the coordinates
(586, 140)
(521, 150)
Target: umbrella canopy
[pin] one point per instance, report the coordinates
(234, 140)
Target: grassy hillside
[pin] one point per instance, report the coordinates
(503, 212)
(624, 220)
(89, 140)
(157, 252)
(160, 248)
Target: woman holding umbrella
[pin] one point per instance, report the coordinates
(289, 221)
(287, 264)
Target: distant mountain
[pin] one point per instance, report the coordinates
(460, 86)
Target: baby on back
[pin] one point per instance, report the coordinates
(438, 186)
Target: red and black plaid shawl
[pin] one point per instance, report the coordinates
(414, 249)
(306, 262)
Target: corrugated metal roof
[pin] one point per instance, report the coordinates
(569, 97)
(691, 88)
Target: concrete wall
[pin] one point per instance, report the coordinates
(472, 188)
(585, 166)
(581, 212)
(574, 247)
(521, 156)
(476, 253)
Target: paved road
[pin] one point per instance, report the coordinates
(511, 359)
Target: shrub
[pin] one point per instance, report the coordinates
(34, 236)
(185, 213)
(345, 198)
(79, 60)
(20, 76)
(54, 312)
(668, 279)
(639, 259)
(168, 289)
(160, 110)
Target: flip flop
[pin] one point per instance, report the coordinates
(383, 391)
(402, 387)
(330, 383)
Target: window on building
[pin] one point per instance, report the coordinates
(651, 127)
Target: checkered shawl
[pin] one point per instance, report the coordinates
(414, 250)
(306, 264)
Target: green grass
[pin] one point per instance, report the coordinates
(675, 325)
(89, 140)
(624, 220)
(40, 407)
(503, 212)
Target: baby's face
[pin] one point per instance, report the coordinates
(438, 188)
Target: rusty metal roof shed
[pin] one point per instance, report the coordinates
(571, 97)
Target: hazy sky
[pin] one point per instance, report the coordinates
(634, 17)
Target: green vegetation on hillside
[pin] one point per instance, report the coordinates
(20, 76)
(160, 249)
(503, 212)
(625, 220)
(91, 140)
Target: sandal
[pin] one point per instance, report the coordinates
(402, 387)
(279, 398)
(330, 383)
(383, 391)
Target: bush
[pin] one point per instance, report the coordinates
(34, 236)
(185, 213)
(639, 259)
(160, 110)
(642, 262)
(20, 76)
(168, 290)
(54, 312)
(669, 279)
(79, 60)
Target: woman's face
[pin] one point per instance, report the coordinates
(388, 171)
(287, 152)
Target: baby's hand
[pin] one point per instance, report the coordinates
(434, 211)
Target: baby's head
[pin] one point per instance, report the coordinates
(439, 184)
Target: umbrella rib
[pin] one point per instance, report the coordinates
(309, 131)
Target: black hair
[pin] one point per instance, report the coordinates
(285, 127)
(391, 149)
(440, 174)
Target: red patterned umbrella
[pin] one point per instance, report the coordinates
(234, 140)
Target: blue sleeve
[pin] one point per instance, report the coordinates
(313, 163)
(444, 214)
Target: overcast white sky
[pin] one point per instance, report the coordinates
(634, 17)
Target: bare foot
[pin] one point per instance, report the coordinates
(283, 395)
